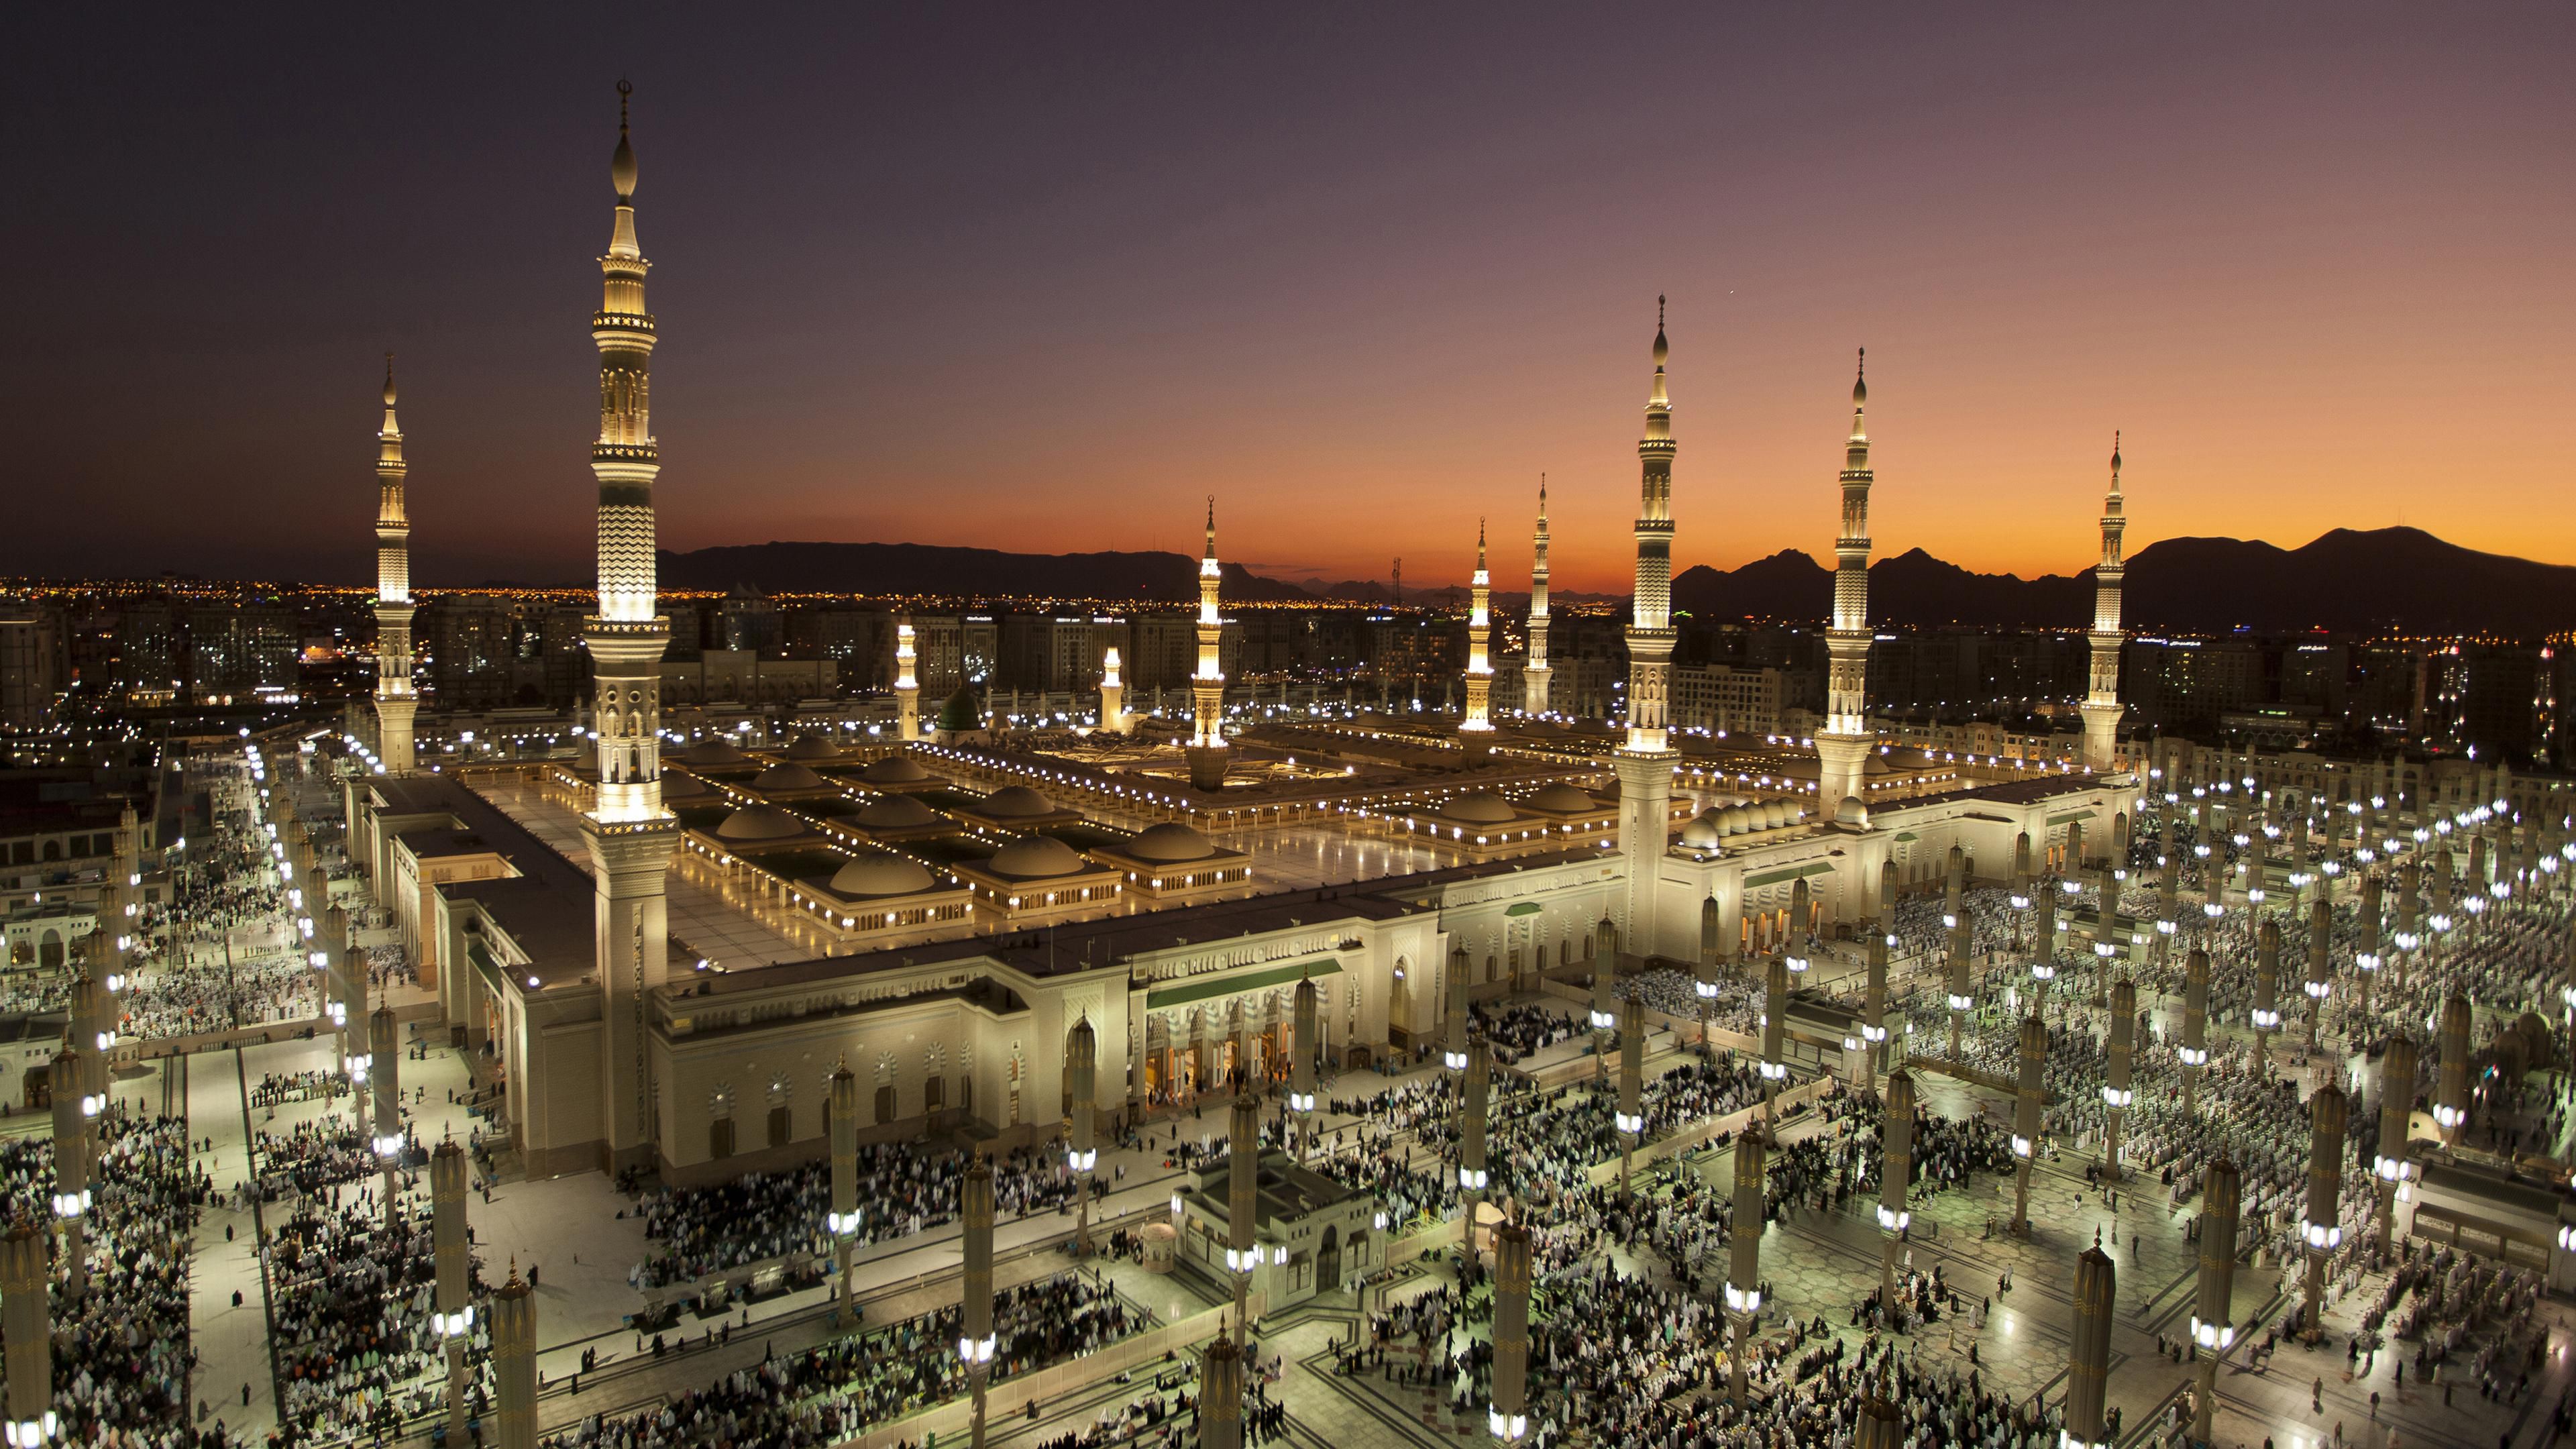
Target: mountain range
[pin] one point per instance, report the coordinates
(2346, 581)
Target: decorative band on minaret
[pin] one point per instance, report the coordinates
(1536, 675)
(1645, 764)
(2102, 706)
(1843, 746)
(395, 701)
(1207, 752)
(1480, 665)
(629, 835)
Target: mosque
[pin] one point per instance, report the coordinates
(661, 959)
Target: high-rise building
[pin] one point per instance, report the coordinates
(34, 665)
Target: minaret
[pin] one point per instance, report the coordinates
(907, 688)
(1480, 664)
(2101, 705)
(394, 698)
(1842, 748)
(629, 835)
(1535, 674)
(1113, 694)
(1207, 688)
(1646, 764)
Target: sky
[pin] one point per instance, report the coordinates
(1044, 277)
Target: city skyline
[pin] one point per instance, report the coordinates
(2341, 332)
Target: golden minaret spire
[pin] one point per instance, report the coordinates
(1480, 666)
(2101, 707)
(629, 835)
(395, 700)
(1535, 675)
(1645, 765)
(1843, 747)
(1207, 751)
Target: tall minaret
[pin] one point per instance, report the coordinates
(629, 835)
(1113, 694)
(2101, 705)
(395, 701)
(1207, 752)
(1480, 663)
(1535, 674)
(907, 685)
(1646, 764)
(1842, 749)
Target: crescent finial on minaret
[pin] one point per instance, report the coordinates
(621, 165)
(389, 379)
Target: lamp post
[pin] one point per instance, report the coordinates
(2117, 1096)
(975, 1339)
(2089, 1359)
(1509, 1416)
(453, 1317)
(2365, 956)
(1962, 993)
(2213, 1319)
(1774, 1066)
(843, 1220)
(514, 1362)
(2043, 953)
(2194, 1051)
(1221, 1394)
(1301, 1065)
(1082, 1152)
(389, 1134)
(2451, 1093)
(2320, 966)
(1242, 1199)
(1471, 1142)
(2266, 1015)
(1631, 1121)
(1895, 1182)
(1453, 1032)
(2025, 1141)
(1744, 1251)
(1704, 982)
(73, 1108)
(1879, 1427)
(1604, 1008)
(2390, 1163)
(2323, 1229)
(26, 1321)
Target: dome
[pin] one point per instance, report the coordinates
(894, 812)
(1702, 833)
(811, 746)
(717, 751)
(1170, 842)
(1035, 858)
(880, 875)
(1013, 802)
(1564, 799)
(759, 822)
(1851, 814)
(682, 789)
(1732, 821)
(789, 776)
(895, 770)
(1482, 808)
(1774, 815)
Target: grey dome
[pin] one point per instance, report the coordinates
(1171, 843)
(789, 776)
(895, 770)
(880, 874)
(759, 822)
(894, 812)
(1016, 801)
(1036, 858)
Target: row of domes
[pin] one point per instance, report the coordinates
(1719, 821)
(1487, 808)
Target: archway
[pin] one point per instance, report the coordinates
(1328, 1260)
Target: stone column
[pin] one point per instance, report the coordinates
(514, 1362)
(1221, 1394)
(71, 1166)
(26, 1321)
(1453, 1027)
(975, 1342)
(1962, 994)
(1604, 1006)
(2026, 1106)
(1744, 1244)
(1711, 921)
(1873, 1005)
(1509, 1418)
(1301, 1066)
(2213, 1318)
(1775, 1014)
(1895, 1182)
(2089, 1357)
(1879, 1427)
(2390, 1163)
(2043, 952)
(2320, 965)
(2266, 1017)
(2365, 957)
(2323, 1228)
(455, 1320)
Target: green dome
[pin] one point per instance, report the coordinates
(959, 714)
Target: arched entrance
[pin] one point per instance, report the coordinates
(1328, 1261)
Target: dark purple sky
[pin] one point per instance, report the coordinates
(1041, 277)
